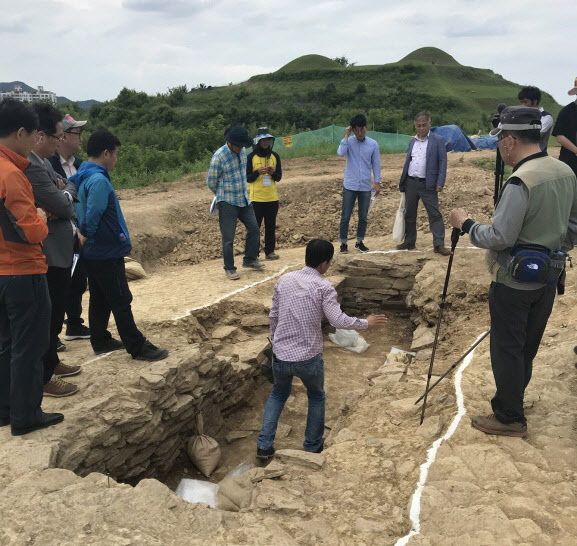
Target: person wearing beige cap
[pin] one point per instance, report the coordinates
(565, 131)
(534, 225)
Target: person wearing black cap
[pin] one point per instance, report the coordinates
(263, 171)
(565, 131)
(534, 222)
(227, 180)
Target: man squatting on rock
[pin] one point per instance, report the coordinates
(300, 301)
(537, 206)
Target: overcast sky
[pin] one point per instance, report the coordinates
(85, 49)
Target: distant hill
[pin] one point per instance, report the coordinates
(310, 62)
(5, 87)
(430, 55)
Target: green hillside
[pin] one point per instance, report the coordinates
(185, 125)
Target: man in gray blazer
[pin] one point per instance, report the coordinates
(56, 196)
(423, 178)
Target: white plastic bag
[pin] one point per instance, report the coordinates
(198, 491)
(349, 339)
(399, 225)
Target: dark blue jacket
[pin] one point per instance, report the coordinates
(99, 215)
(436, 168)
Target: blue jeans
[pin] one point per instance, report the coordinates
(349, 197)
(227, 216)
(312, 374)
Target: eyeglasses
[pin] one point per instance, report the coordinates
(61, 137)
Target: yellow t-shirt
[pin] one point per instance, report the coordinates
(258, 191)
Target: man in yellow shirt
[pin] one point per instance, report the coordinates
(263, 171)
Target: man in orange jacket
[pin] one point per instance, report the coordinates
(24, 299)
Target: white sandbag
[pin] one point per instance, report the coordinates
(399, 225)
(203, 451)
(349, 339)
(133, 270)
(198, 491)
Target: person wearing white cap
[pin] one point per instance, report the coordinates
(565, 131)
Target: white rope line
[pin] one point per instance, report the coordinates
(415, 510)
(97, 358)
(238, 291)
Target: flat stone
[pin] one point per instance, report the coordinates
(302, 458)
(237, 435)
(422, 338)
(254, 320)
(222, 332)
(283, 430)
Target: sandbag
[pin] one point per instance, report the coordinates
(399, 225)
(203, 451)
(133, 270)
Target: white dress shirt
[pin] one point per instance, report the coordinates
(418, 164)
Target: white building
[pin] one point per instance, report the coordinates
(38, 95)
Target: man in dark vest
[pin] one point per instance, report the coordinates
(531, 96)
(65, 163)
(535, 217)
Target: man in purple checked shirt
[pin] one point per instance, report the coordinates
(300, 301)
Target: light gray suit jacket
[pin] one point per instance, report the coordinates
(59, 245)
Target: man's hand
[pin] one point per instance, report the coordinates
(42, 214)
(60, 183)
(81, 239)
(439, 189)
(376, 320)
(377, 189)
(457, 217)
(348, 132)
(270, 169)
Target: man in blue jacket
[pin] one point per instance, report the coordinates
(423, 178)
(105, 242)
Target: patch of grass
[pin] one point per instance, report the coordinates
(488, 164)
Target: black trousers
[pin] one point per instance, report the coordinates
(267, 211)
(24, 335)
(518, 320)
(78, 285)
(109, 293)
(58, 279)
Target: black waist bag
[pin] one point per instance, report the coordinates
(536, 264)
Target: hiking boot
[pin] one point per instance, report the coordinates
(60, 346)
(255, 264)
(46, 420)
(361, 247)
(344, 248)
(108, 346)
(232, 274)
(264, 454)
(406, 246)
(272, 256)
(64, 370)
(490, 425)
(59, 388)
(442, 250)
(77, 332)
(150, 352)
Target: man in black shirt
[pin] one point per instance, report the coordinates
(565, 131)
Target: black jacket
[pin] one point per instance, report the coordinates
(57, 166)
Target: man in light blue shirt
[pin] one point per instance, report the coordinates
(362, 155)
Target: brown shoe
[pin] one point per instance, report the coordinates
(64, 370)
(59, 388)
(442, 250)
(406, 246)
(490, 425)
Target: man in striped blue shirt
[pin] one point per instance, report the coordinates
(227, 180)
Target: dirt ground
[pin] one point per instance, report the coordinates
(479, 490)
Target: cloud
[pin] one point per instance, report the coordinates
(171, 8)
(460, 27)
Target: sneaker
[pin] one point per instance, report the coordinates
(232, 274)
(272, 256)
(360, 246)
(46, 420)
(344, 248)
(77, 332)
(264, 454)
(58, 388)
(490, 425)
(60, 346)
(108, 346)
(150, 352)
(64, 370)
(406, 246)
(442, 250)
(255, 264)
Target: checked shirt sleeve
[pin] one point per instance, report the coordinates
(334, 314)
(214, 171)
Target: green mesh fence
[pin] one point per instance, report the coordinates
(388, 142)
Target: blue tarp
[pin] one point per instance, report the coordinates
(485, 142)
(457, 141)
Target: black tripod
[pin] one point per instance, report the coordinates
(499, 175)
(454, 240)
